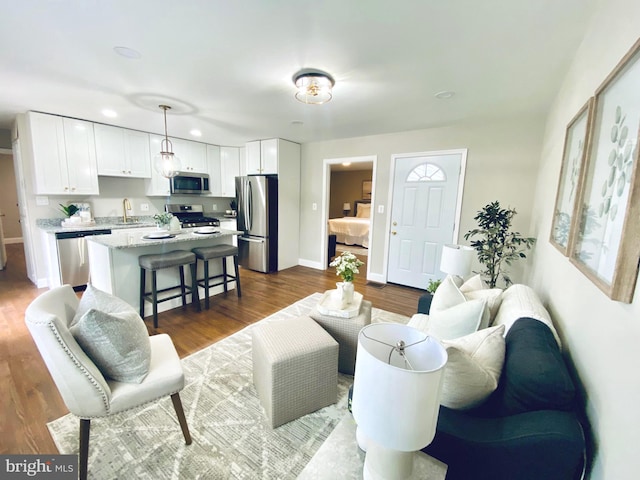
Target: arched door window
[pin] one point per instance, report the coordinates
(426, 172)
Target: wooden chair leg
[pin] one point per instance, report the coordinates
(206, 284)
(85, 427)
(183, 291)
(177, 405)
(224, 273)
(237, 271)
(154, 296)
(142, 290)
(195, 294)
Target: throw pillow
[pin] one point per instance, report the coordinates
(118, 343)
(113, 335)
(457, 321)
(493, 296)
(474, 283)
(96, 298)
(447, 295)
(473, 368)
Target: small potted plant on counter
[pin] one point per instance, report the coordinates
(163, 220)
(69, 210)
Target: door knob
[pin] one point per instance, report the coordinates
(393, 233)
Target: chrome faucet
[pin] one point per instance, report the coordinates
(126, 205)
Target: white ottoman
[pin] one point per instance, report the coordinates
(295, 368)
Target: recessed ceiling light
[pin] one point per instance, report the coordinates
(445, 94)
(127, 52)
(346, 164)
(196, 133)
(109, 113)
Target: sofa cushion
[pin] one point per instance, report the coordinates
(534, 376)
(520, 301)
(473, 368)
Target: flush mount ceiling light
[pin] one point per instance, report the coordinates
(166, 162)
(314, 86)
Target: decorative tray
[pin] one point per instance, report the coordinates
(331, 304)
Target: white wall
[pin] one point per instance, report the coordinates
(602, 335)
(502, 163)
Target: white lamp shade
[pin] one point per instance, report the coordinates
(395, 406)
(456, 260)
(346, 206)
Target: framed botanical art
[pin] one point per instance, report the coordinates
(607, 243)
(575, 149)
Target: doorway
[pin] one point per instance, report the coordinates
(364, 162)
(426, 203)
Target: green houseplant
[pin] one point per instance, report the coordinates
(69, 210)
(433, 285)
(496, 245)
(163, 219)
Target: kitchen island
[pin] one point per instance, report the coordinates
(115, 269)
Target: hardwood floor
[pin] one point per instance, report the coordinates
(29, 397)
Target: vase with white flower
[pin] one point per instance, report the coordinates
(346, 266)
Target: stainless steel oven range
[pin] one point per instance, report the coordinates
(191, 215)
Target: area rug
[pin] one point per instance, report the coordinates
(231, 437)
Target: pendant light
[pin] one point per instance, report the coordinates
(166, 163)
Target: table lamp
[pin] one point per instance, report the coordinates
(346, 208)
(396, 396)
(456, 260)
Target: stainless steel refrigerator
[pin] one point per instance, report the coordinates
(257, 198)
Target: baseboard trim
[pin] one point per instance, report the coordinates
(311, 264)
(8, 241)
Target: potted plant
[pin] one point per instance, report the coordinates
(163, 220)
(69, 210)
(346, 266)
(433, 285)
(495, 244)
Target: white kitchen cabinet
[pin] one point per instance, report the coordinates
(281, 157)
(192, 155)
(215, 169)
(262, 156)
(230, 169)
(121, 152)
(230, 224)
(157, 185)
(224, 167)
(64, 155)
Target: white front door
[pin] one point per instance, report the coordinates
(424, 213)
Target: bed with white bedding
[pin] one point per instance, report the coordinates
(353, 230)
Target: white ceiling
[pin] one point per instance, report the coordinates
(226, 66)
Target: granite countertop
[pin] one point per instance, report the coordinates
(54, 225)
(137, 239)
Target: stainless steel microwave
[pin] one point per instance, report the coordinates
(190, 183)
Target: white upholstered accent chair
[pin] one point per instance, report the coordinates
(85, 391)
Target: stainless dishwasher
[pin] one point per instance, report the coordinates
(73, 258)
